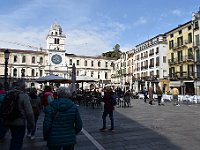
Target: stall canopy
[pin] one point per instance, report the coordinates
(52, 78)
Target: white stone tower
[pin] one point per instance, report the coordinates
(55, 38)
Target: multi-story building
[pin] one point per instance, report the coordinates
(196, 45)
(31, 64)
(118, 77)
(150, 64)
(181, 58)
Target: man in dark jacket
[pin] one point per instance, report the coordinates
(18, 126)
(108, 109)
(62, 122)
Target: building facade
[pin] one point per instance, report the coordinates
(148, 63)
(32, 64)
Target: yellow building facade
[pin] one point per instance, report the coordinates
(181, 58)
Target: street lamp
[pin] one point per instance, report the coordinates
(6, 57)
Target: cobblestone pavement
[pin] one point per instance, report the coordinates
(140, 127)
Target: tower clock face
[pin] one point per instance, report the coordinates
(56, 59)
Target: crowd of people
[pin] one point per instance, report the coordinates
(62, 120)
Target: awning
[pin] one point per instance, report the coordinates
(175, 83)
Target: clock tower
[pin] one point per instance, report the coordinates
(56, 46)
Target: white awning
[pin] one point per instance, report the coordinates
(175, 83)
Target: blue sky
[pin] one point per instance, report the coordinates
(91, 26)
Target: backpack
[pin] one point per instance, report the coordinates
(9, 109)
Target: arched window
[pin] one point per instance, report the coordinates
(99, 64)
(33, 72)
(14, 72)
(23, 73)
(33, 59)
(85, 63)
(41, 60)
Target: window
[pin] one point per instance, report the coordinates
(181, 71)
(85, 63)
(190, 53)
(92, 73)
(14, 72)
(41, 60)
(164, 59)
(70, 62)
(33, 60)
(23, 59)
(56, 41)
(15, 58)
(77, 62)
(189, 27)
(98, 75)
(106, 75)
(172, 57)
(92, 63)
(197, 40)
(77, 73)
(171, 35)
(171, 44)
(180, 41)
(33, 72)
(23, 73)
(189, 37)
(198, 55)
(157, 50)
(180, 32)
(41, 73)
(99, 64)
(106, 64)
(157, 61)
(196, 25)
(180, 56)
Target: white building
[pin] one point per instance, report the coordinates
(150, 65)
(31, 64)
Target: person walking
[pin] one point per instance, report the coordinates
(145, 94)
(127, 98)
(108, 109)
(151, 91)
(159, 94)
(18, 126)
(62, 122)
(36, 106)
(175, 93)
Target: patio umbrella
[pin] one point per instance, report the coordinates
(80, 79)
(52, 78)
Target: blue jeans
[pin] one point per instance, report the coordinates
(17, 134)
(105, 113)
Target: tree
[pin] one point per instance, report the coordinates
(115, 53)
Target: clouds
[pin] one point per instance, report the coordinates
(176, 12)
(99, 23)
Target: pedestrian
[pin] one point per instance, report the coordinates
(36, 106)
(159, 94)
(108, 109)
(18, 126)
(47, 96)
(2, 127)
(127, 98)
(151, 91)
(62, 122)
(145, 94)
(175, 93)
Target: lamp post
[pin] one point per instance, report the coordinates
(6, 57)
